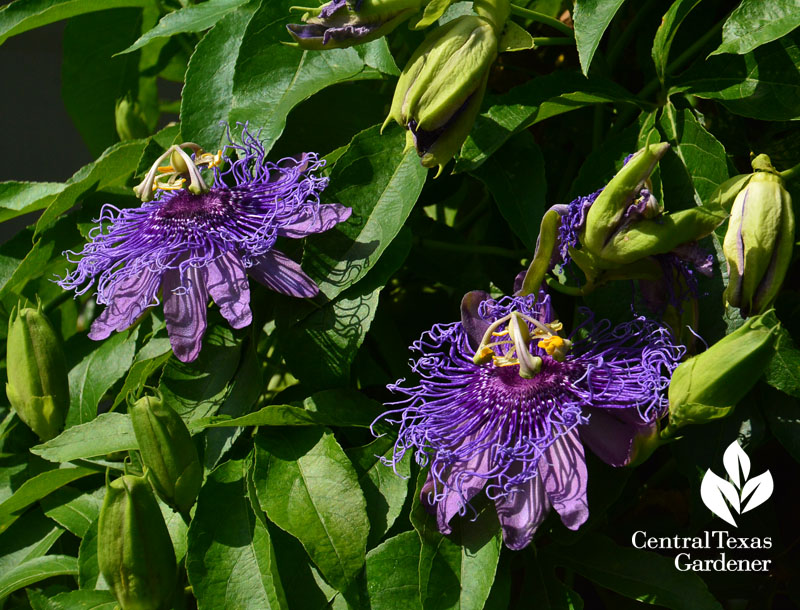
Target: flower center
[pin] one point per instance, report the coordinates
(204, 212)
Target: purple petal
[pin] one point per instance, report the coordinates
(185, 311)
(474, 325)
(563, 472)
(315, 220)
(130, 297)
(522, 512)
(228, 286)
(464, 479)
(280, 273)
(612, 433)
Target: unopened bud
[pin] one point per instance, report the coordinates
(758, 243)
(441, 88)
(168, 453)
(134, 550)
(37, 388)
(129, 122)
(344, 23)
(708, 386)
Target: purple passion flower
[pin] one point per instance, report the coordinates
(505, 404)
(192, 243)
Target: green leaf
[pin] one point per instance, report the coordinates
(325, 509)
(36, 569)
(384, 489)
(18, 198)
(112, 169)
(376, 54)
(89, 576)
(515, 38)
(392, 576)
(193, 18)
(764, 84)
(515, 177)
(592, 18)
(30, 536)
(73, 508)
(665, 34)
(544, 590)
(24, 15)
(35, 489)
(92, 80)
(74, 600)
(231, 562)
(757, 22)
(147, 362)
(106, 433)
(702, 159)
(197, 389)
(783, 371)
(93, 376)
(322, 345)
(641, 575)
(381, 203)
(530, 103)
(261, 80)
(783, 415)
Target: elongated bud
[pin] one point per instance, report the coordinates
(37, 388)
(134, 550)
(168, 453)
(758, 243)
(344, 23)
(129, 122)
(709, 385)
(439, 93)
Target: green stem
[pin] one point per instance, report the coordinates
(57, 302)
(574, 291)
(557, 41)
(434, 244)
(542, 18)
(791, 173)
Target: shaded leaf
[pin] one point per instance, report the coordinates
(392, 577)
(74, 509)
(30, 536)
(665, 34)
(34, 570)
(592, 18)
(783, 370)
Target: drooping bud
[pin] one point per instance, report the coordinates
(129, 122)
(708, 386)
(344, 23)
(440, 91)
(758, 243)
(168, 452)
(134, 550)
(37, 388)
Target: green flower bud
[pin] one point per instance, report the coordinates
(441, 88)
(168, 453)
(129, 121)
(134, 550)
(37, 388)
(709, 385)
(758, 243)
(344, 23)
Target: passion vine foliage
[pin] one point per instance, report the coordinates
(258, 355)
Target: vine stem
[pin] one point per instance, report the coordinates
(542, 18)
(557, 41)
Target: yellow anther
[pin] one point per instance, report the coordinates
(551, 344)
(166, 169)
(169, 186)
(502, 333)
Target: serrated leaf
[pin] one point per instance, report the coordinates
(592, 18)
(35, 489)
(230, 561)
(93, 376)
(193, 18)
(24, 15)
(340, 257)
(392, 577)
(757, 22)
(641, 575)
(763, 84)
(308, 487)
(107, 433)
(18, 198)
(34, 570)
(516, 179)
(665, 34)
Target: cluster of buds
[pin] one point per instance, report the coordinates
(759, 240)
(37, 388)
(134, 549)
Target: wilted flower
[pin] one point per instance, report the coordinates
(759, 240)
(344, 23)
(506, 404)
(199, 241)
(440, 91)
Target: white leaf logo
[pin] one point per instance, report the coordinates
(742, 494)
